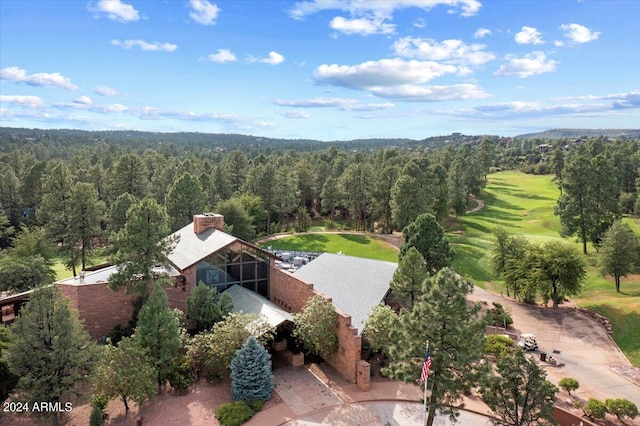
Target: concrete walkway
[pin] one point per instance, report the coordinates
(318, 395)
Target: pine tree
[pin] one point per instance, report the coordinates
(158, 331)
(185, 199)
(519, 395)
(206, 307)
(50, 352)
(427, 236)
(408, 278)
(455, 334)
(251, 377)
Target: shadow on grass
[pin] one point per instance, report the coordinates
(358, 239)
(467, 261)
(626, 329)
(306, 242)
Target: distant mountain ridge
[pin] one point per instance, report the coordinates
(576, 133)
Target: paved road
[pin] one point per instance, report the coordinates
(587, 351)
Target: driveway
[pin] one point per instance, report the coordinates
(589, 354)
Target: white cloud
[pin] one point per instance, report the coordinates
(529, 35)
(105, 91)
(341, 103)
(361, 26)
(116, 10)
(23, 101)
(222, 56)
(274, 58)
(84, 100)
(420, 23)
(526, 66)
(385, 72)
(578, 33)
(379, 8)
(481, 33)
(19, 75)
(415, 93)
(145, 46)
(203, 12)
(454, 51)
(294, 114)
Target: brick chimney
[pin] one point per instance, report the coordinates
(202, 222)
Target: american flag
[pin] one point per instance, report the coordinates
(426, 366)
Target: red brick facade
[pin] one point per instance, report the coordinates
(101, 309)
(291, 294)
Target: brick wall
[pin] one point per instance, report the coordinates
(99, 307)
(292, 293)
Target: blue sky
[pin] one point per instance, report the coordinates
(320, 69)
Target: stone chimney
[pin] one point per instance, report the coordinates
(202, 222)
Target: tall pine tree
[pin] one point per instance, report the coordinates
(50, 350)
(158, 331)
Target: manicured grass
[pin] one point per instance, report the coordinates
(62, 272)
(349, 244)
(523, 205)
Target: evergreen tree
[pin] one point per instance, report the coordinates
(206, 307)
(141, 245)
(455, 334)
(427, 236)
(251, 377)
(87, 214)
(618, 252)
(356, 184)
(130, 175)
(158, 331)
(8, 380)
(519, 395)
(125, 371)
(382, 190)
(119, 208)
(50, 352)
(408, 279)
(21, 273)
(330, 196)
(237, 219)
(184, 200)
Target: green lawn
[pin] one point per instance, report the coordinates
(62, 272)
(349, 244)
(523, 204)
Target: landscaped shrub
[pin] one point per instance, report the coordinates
(233, 413)
(181, 374)
(595, 409)
(100, 401)
(255, 405)
(251, 377)
(498, 345)
(621, 407)
(569, 384)
(96, 417)
(500, 316)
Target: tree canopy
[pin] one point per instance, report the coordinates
(427, 236)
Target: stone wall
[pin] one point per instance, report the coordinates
(292, 293)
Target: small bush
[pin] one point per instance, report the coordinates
(233, 413)
(498, 345)
(255, 405)
(96, 417)
(569, 384)
(500, 316)
(181, 374)
(100, 401)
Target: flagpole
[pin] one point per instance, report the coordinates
(426, 380)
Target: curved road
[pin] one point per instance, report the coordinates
(587, 351)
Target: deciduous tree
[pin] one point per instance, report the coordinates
(378, 328)
(316, 327)
(618, 252)
(125, 371)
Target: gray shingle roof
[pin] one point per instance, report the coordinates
(356, 285)
(249, 302)
(192, 247)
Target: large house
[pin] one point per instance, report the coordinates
(205, 253)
